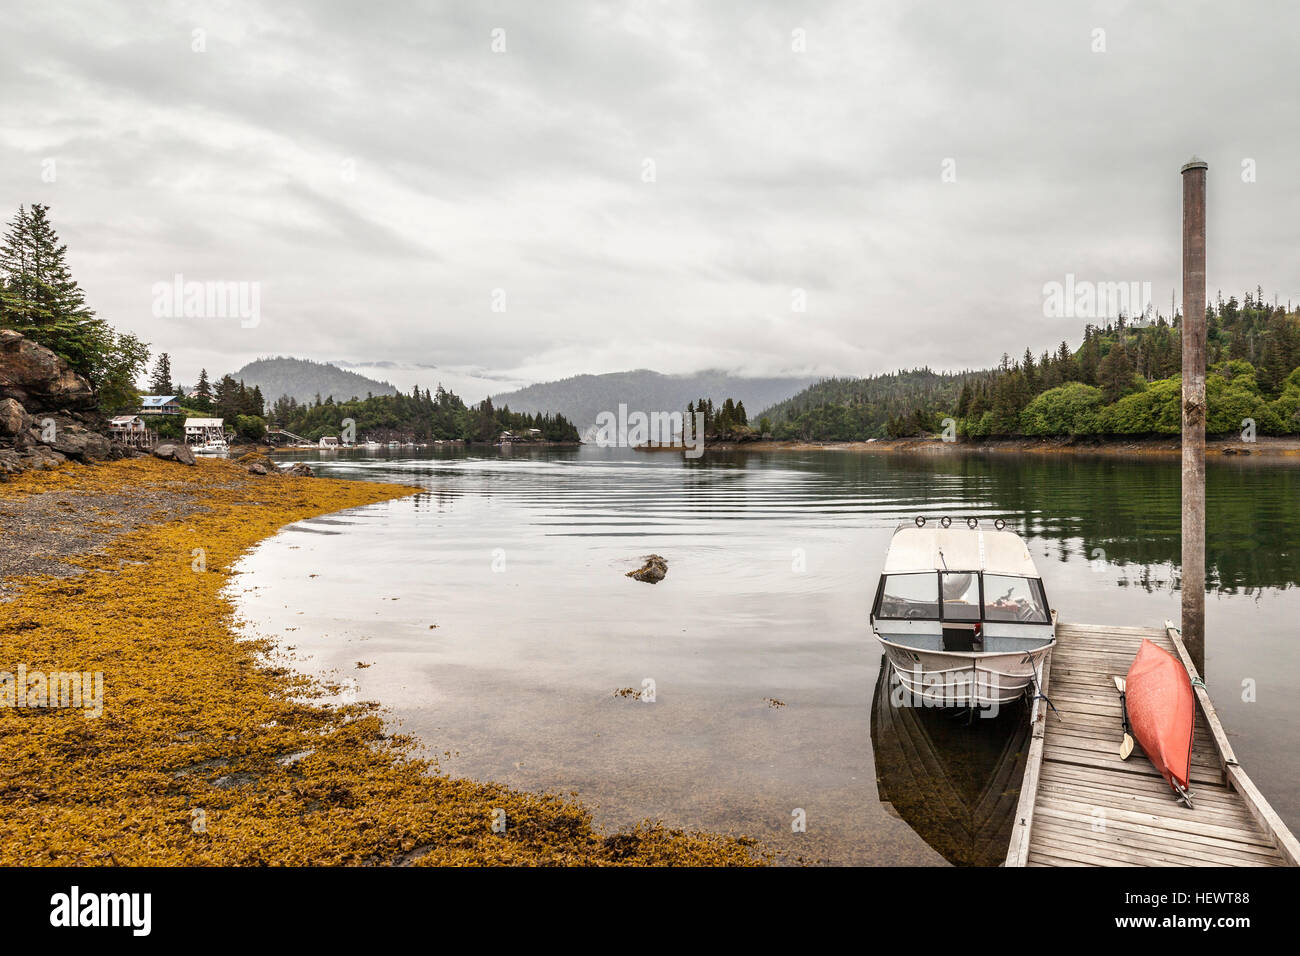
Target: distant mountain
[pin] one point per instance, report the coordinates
(304, 380)
(582, 398)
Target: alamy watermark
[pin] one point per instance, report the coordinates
(946, 689)
(208, 300)
(1081, 299)
(624, 429)
(83, 690)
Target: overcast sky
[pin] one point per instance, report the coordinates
(378, 169)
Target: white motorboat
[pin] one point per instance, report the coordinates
(962, 615)
(213, 447)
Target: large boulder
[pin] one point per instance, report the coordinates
(37, 378)
(174, 451)
(301, 469)
(78, 442)
(13, 417)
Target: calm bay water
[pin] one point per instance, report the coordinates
(757, 642)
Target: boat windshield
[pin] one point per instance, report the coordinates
(1003, 597)
(961, 596)
(910, 596)
(1009, 598)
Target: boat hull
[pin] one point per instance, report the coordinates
(1162, 712)
(947, 679)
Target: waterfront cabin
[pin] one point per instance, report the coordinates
(205, 431)
(159, 405)
(329, 441)
(130, 430)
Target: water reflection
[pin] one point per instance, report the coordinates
(954, 778)
(773, 559)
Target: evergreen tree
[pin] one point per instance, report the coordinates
(1115, 373)
(40, 299)
(1089, 356)
(226, 398)
(160, 382)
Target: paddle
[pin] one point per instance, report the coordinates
(1125, 745)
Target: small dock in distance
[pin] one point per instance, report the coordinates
(1081, 805)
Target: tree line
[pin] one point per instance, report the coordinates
(1124, 379)
(722, 422)
(420, 416)
(40, 299)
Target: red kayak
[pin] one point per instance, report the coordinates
(1161, 710)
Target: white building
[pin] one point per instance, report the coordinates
(205, 431)
(130, 430)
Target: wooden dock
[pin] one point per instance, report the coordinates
(1080, 805)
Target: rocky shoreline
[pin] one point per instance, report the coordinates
(1269, 448)
(47, 411)
(210, 750)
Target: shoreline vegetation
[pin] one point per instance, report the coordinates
(209, 749)
(1270, 448)
(1123, 382)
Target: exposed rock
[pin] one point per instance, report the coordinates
(257, 458)
(78, 442)
(13, 417)
(652, 571)
(257, 468)
(301, 469)
(47, 413)
(37, 377)
(171, 451)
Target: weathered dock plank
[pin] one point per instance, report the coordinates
(1080, 805)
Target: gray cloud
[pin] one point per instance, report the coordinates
(380, 171)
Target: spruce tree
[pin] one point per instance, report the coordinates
(160, 382)
(41, 299)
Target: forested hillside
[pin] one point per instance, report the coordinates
(306, 380)
(1124, 379)
(420, 416)
(848, 409)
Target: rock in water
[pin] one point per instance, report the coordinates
(170, 451)
(301, 469)
(652, 571)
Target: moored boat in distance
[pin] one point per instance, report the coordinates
(962, 614)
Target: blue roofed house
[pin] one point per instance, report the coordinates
(159, 405)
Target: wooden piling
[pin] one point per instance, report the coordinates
(1194, 409)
